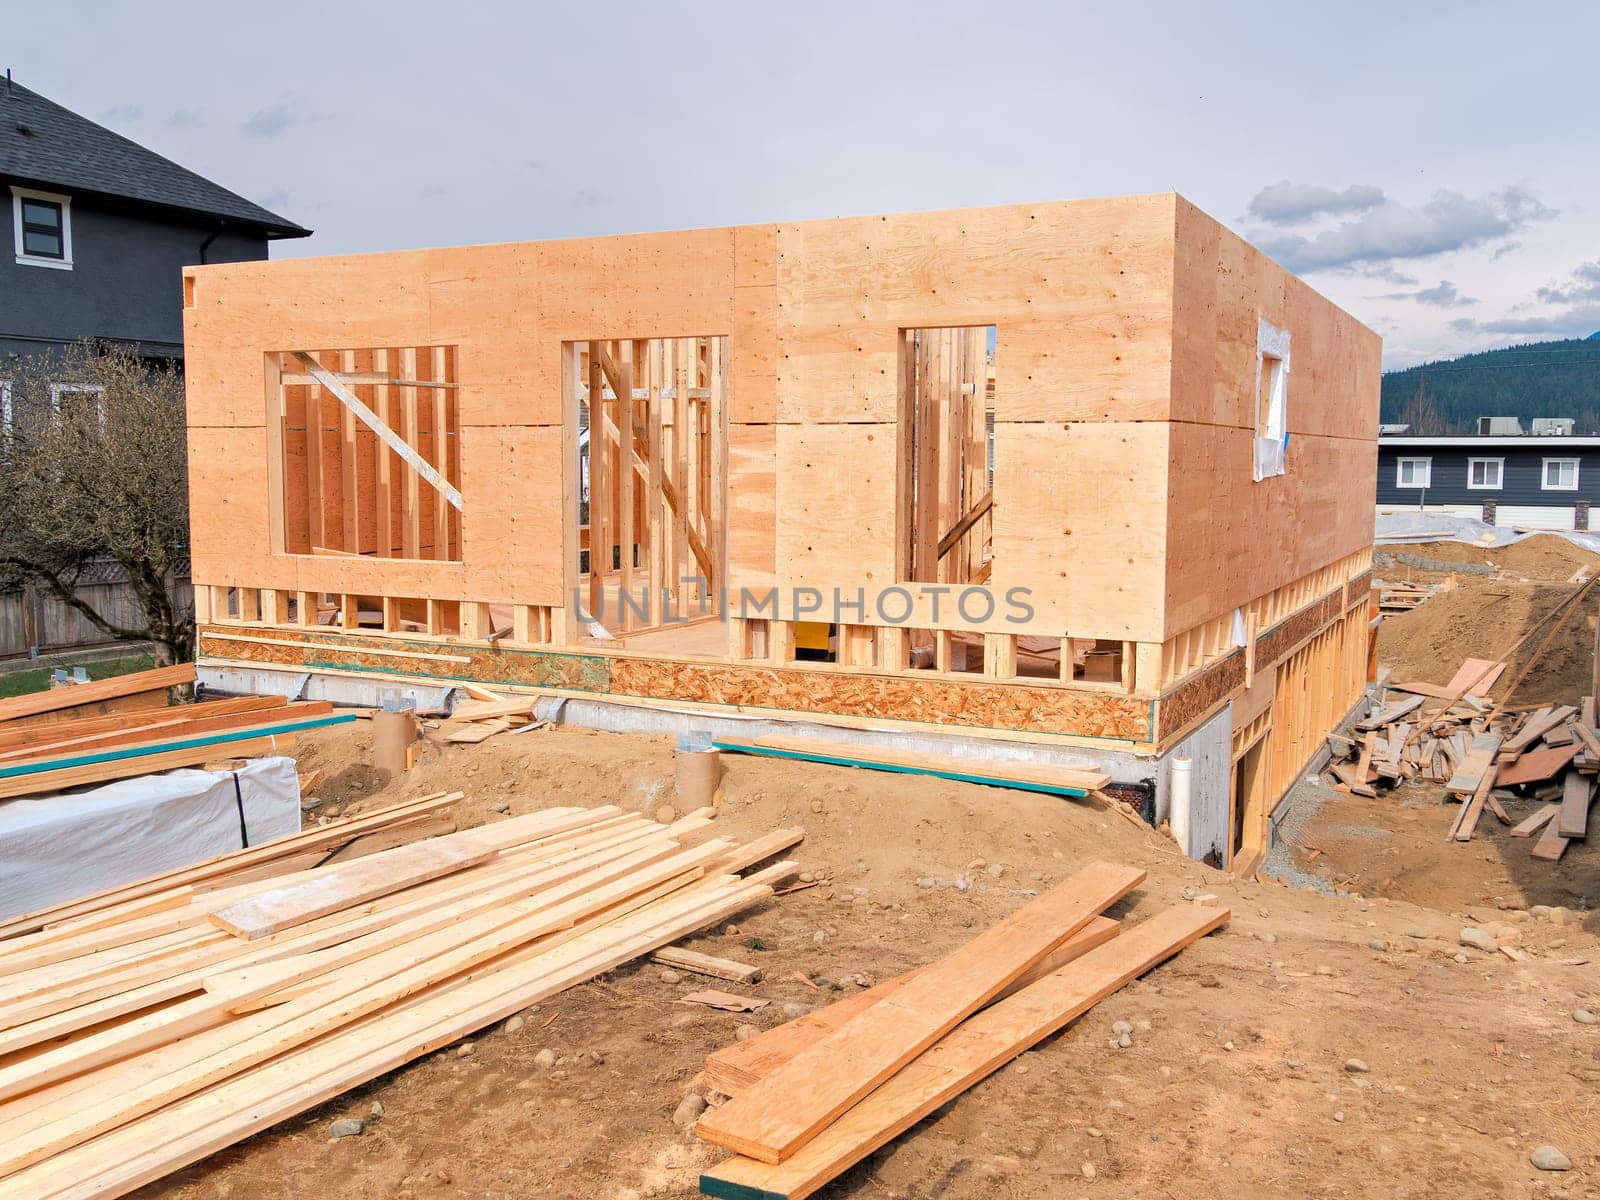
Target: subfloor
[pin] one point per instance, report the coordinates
(1236, 1083)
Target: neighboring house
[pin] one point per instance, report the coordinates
(101, 229)
(1535, 481)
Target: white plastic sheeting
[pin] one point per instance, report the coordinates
(1411, 526)
(60, 847)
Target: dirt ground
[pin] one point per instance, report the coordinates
(1484, 615)
(1236, 1082)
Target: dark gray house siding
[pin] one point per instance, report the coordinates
(133, 221)
(1521, 477)
(126, 281)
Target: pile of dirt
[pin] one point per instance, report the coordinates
(1541, 558)
(1484, 616)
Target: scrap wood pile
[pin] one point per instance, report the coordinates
(155, 1028)
(810, 1098)
(479, 719)
(66, 737)
(1485, 754)
(1403, 595)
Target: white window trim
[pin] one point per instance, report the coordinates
(1272, 439)
(57, 390)
(18, 195)
(1544, 476)
(1499, 475)
(1427, 473)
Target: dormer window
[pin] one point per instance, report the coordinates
(42, 222)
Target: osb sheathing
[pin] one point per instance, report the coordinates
(976, 705)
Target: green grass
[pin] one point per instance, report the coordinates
(20, 683)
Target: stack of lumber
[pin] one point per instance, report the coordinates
(1485, 755)
(1403, 596)
(76, 750)
(812, 1097)
(120, 693)
(148, 1034)
(333, 842)
(1031, 777)
(478, 720)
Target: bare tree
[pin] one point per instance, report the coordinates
(94, 466)
(1421, 411)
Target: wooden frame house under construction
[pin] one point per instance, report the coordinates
(1086, 481)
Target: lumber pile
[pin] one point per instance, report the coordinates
(812, 1097)
(332, 842)
(477, 720)
(121, 693)
(1486, 756)
(158, 1028)
(1403, 596)
(72, 751)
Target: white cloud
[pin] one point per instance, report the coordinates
(1442, 295)
(1286, 203)
(1390, 230)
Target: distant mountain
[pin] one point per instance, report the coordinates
(1542, 379)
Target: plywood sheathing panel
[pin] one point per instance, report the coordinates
(1079, 521)
(752, 507)
(1089, 284)
(973, 705)
(1222, 286)
(1232, 539)
(836, 490)
(511, 477)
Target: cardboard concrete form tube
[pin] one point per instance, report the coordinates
(392, 735)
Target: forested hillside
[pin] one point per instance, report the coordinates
(1543, 379)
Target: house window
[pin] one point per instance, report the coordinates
(1560, 474)
(60, 394)
(42, 222)
(1413, 472)
(1272, 399)
(1483, 474)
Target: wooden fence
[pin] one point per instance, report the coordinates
(33, 621)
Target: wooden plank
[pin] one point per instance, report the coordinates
(63, 699)
(787, 1109)
(224, 866)
(1390, 713)
(1537, 765)
(1576, 793)
(974, 1050)
(1068, 781)
(706, 964)
(388, 436)
(1475, 676)
(737, 1066)
(343, 886)
(1477, 760)
(1534, 823)
(1551, 845)
(1534, 728)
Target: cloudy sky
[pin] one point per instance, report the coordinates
(1433, 167)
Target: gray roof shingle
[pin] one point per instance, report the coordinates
(44, 144)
